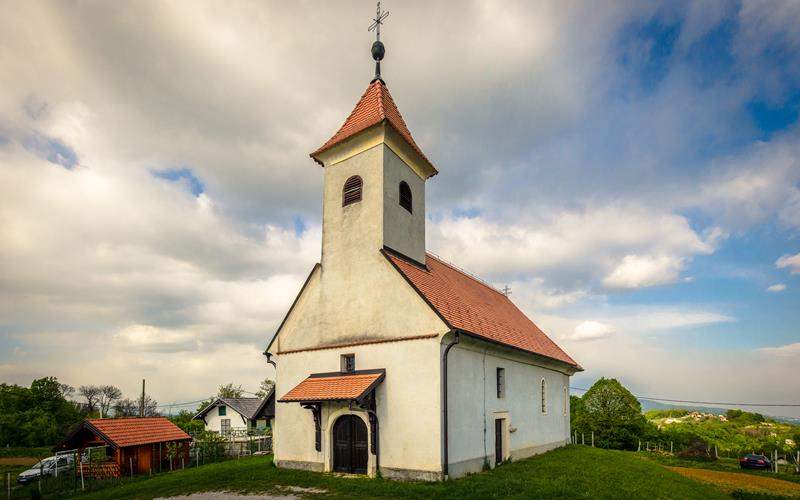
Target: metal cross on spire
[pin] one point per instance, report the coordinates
(378, 51)
(376, 23)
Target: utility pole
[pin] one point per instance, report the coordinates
(141, 402)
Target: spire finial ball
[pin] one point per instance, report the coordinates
(378, 51)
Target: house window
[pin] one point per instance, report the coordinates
(501, 382)
(348, 363)
(223, 411)
(544, 397)
(405, 196)
(566, 400)
(352, 190)
(225, 426)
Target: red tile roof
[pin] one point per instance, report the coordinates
(135, 431)
(375, 106)
(466, 303)
(334, 387)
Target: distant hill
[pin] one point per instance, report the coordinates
(648, 405)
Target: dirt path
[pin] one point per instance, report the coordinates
(732, 481)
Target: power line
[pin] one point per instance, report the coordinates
(706, 402)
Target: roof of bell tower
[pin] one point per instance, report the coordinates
(374, 107)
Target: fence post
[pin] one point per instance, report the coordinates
(41, 473)
(592, 439)
(130, 460)
(797, 462)
(83, 485)
(8, 482)
(639, 448)
(670, 447)
(583, 438)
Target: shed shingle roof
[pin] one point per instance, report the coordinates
(375, 106)
(334, 387)
(468, 304)
(135, 431)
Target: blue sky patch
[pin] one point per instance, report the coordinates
(52, 150)
(182, 175)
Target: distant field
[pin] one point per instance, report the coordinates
(723, 464)
(39, 452)
(569, 472)
(734, 481)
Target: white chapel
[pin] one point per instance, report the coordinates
(391, 359)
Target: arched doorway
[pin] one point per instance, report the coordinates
(350, 445)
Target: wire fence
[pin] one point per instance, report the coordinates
(786, 462)
(99, 467)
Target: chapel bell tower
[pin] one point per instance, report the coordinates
(374, 193)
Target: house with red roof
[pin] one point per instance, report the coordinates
(133, 445)
(391, 359)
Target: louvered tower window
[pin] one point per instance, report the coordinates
(405, 196)
(352, 190)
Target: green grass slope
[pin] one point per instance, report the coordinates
(571, 472)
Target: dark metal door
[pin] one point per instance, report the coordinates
(498, 441)
(350, 445)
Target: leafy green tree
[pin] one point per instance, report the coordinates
(265, 388)
(614, 415)
(35, 416)
(230, 391)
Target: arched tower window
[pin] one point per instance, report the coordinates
(351, 193)
(544, 396)
(405, 196)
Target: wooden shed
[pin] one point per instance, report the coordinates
(133, 445)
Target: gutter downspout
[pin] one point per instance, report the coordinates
(445, 459)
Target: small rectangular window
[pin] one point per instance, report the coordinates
(501, 382)
(222, 411)
(348, 363)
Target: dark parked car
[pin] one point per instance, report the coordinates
(755, 462)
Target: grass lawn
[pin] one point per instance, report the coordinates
(571, 472)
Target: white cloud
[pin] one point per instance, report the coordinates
(792, 262)
(788, 350)
(641, 271)
(589, 244)
(591, 330)
(778, 287)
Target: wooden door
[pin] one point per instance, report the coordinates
(498, 441)
(350, 445)
(143, 459)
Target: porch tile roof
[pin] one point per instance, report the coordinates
(334, 387)
(135, 431)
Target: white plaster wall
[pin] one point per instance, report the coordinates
(408, 404)
(403, 231)
(357, 295)
(213, 419)
(474, 405)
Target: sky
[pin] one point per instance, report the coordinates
(630, 169)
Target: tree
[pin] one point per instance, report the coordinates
(66, 390)
(230, 391)
(90, 393)
(126, 408)
(265, 388)
(107, 395)
(614, 415)
(35, 416)
(150, 406)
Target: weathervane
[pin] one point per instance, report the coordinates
(378, 50)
